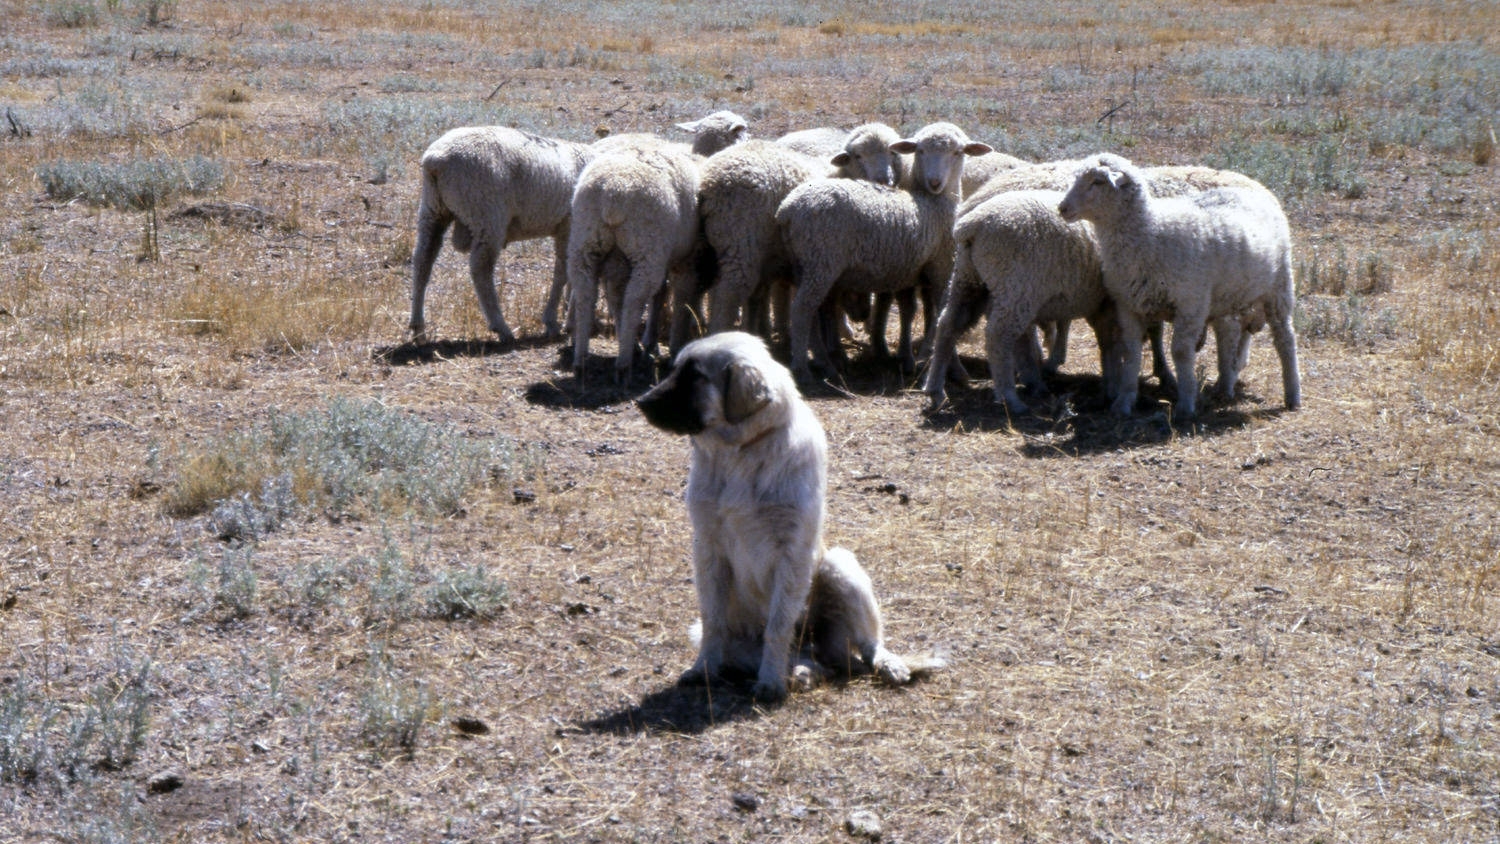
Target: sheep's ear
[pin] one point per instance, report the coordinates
(904, 146)
(745, 392)
(691, 127)
(1120, 180)
(976, 148)
(841, 159)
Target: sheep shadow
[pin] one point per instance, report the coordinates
(685, 710)
(1073, 420)
(598, 389)
(410, 353)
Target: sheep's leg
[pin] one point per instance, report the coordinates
(1187, 332)
(1159, 366)
(550, 322)
(738, 274)
(806, 301)
(1001, 339)
(1228, 342)
(875, 326)
(1285, 340)
(906, 302)
(687, 319)
(483, 258)
(1028, 349)
(1057, 347)
(1127, 386)
(1107, 338)
(583, 280)
(960, 311)
(430, 230)
(646, 279)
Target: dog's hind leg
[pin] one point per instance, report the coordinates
(846, 617)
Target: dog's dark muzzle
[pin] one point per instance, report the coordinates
(672, 405)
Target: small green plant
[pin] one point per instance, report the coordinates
(349, 459)
(139, 185)
(392, 711)
(470, 593)
(70, 14)
(229, 585)
(392, 585)
(43, 743)
(156, 13)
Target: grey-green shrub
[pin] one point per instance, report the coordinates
(133, 186)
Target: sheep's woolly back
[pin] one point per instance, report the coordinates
(823, 142)
(982, 168)
(500, 184)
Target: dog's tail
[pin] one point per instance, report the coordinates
(921, 666)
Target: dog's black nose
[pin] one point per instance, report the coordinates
(672, 405)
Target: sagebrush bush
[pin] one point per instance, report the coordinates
(349, 459)
(134, 186)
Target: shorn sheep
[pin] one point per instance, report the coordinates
(495, 186)
(1221, 255)
(874, 239)
(639, 203)
(1017, 263)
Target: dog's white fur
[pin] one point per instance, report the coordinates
(767, 587)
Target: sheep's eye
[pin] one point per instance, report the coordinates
(1099, 180)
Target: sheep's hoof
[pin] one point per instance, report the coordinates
(419, 335)
(769, 692)
(935, 403)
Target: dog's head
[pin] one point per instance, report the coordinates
(726, 384)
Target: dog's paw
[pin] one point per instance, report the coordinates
(805, 677)
(892, 669)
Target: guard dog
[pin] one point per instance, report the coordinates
(773, 602)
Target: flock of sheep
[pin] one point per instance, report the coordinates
(820, 221)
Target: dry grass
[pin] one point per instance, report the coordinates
(1270, 626)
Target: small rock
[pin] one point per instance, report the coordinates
(164, 782)
(745, 801)
(523, 496)
(470, 726)
(863, 823)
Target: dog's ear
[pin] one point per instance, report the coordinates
(745, 392)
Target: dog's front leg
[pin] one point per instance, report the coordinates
(788, 599)
(712, 580)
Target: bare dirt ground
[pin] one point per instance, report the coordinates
(1266, 626)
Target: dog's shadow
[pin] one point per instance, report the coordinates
(687, 710)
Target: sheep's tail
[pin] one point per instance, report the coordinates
(432, 207)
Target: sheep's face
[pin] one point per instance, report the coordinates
(867, 155)
(939, 152)
(718, 131)
(1092, 188)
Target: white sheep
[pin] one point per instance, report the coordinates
(822, 142)
(871, 238)
(982, 168)
(1018, 263)
(740, 192)
(496, 186)
(637, 203)
(1059, 176)
(1222, 255)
